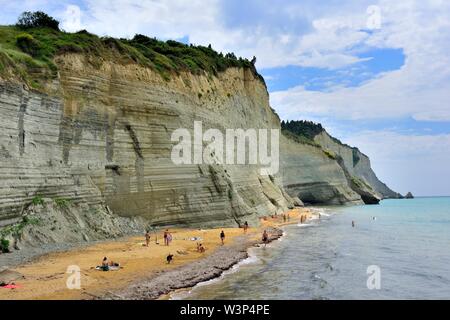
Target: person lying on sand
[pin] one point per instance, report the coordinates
(169, 258)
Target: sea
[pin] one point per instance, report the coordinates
(399, 249)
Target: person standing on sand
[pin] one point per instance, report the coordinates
(169, 258)
(166, 237)
(265, 238)
(222, 237)
(147, 238)
(245, 226)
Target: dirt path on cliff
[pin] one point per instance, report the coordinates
(145, 273)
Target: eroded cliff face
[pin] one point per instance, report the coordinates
(309, 174)
(103, 137)
(100, 138)
(357, 165)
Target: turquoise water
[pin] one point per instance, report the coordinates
(328, 259)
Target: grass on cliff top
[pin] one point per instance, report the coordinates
(305, 132)
(30, 53)
(302, 131)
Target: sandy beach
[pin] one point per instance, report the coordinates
(144, 272)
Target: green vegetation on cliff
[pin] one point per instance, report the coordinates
(29, 48)
(302, 131)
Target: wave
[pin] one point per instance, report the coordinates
(305, 225)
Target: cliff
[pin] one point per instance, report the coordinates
(357, 164)
(94, 132)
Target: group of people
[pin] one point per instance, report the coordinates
(106, 264)
(286, 217)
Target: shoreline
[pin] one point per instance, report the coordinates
(206, 269)
(144, 273)
(234, 268)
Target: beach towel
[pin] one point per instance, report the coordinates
(10, 286)
(109, 268)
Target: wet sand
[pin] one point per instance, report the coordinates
(145, 273)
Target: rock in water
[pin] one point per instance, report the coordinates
(409, 195)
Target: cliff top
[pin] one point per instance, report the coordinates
(29, 48)
(307, 131)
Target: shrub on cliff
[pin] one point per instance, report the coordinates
(330, 154)
(43, 41)
(28, 44)
(4, 246)
(37, 19)
(307, 129)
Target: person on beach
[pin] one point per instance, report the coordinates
(222, 237)
(166, 237)
(147, 238)
(265, 238)
(169, 258)
(288, 217)
(201, 248)
(105, 264)
(169, 238)
(245, 226)
(284, 218)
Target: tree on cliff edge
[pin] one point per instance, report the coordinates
(37, 19)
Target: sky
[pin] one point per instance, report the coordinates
(375, 73)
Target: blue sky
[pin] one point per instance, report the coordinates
(375, 73)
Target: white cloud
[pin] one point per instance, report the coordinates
(71, 20)
(420, 89)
